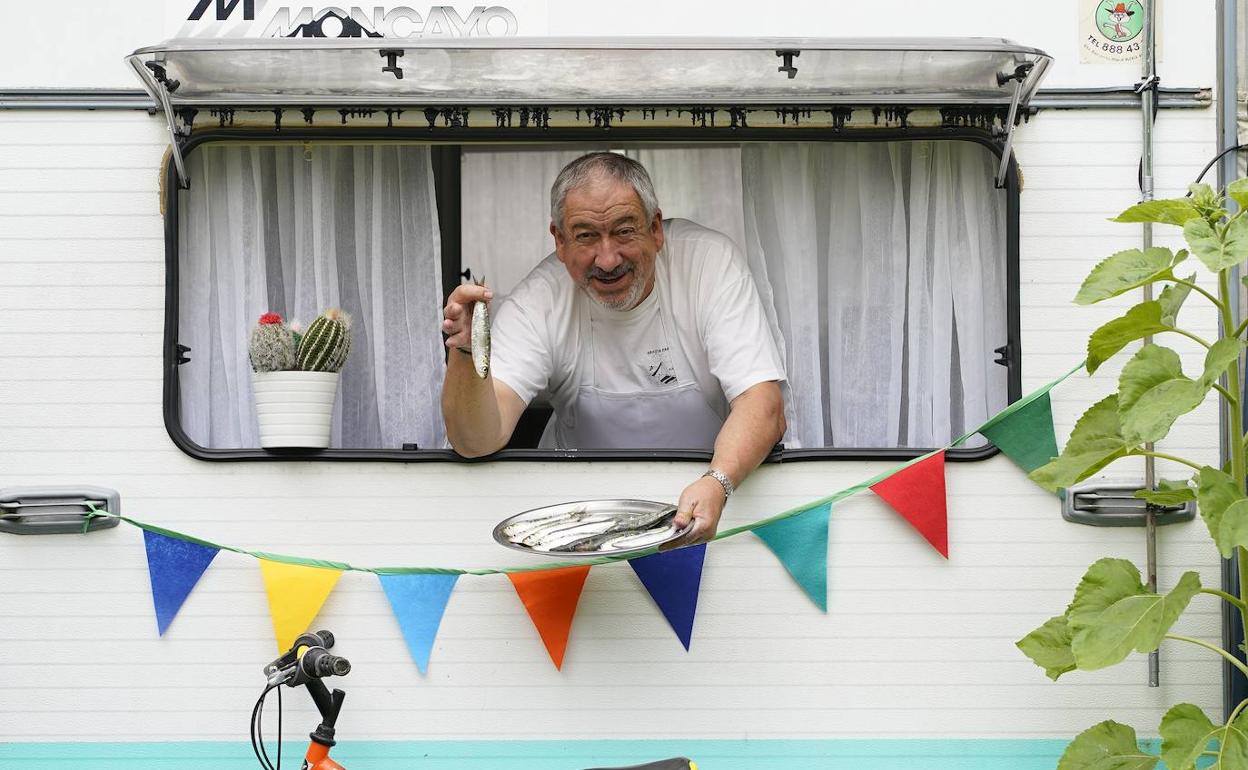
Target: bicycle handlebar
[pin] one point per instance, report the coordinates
(317, 663)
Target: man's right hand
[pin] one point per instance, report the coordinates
(457, 315)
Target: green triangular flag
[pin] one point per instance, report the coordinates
(1025, 434)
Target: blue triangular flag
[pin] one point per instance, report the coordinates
(673, 579)
(174, 567)
(801, 543)
(418, 601)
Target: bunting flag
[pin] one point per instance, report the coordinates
(418, 600)
(801, 544)
(1025, 434)
(296, 593)
(174, 567)
(550, 596)
(917, 492)
(673, 579)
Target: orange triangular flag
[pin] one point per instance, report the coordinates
(296, 593)
(550, 596)
(917, 492)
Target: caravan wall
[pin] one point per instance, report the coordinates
(912, 666)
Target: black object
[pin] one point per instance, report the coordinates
(390, 55)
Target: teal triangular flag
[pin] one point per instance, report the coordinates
(801, 543)
(1025, 434)
(418, 601)
(174, 567)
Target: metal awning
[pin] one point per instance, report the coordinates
(621, 72)
(378, 72)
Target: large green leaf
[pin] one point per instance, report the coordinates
(1156, 411)
(1186, 733)
(1238, 191)
(1174, 211)
(1106, 746)
(1216, 493)
(1221, 355)
(1095, 442)
(1133, 623)
(1172, 298)
(1140, 321)
(1105, 583)
(1218, 246)
(1049, 647)
(1168, 493)
(1149, 367)
(1127, 270)
(1233, 528)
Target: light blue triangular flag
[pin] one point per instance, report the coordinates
(801, 543)
(418, 601)
(174, 567)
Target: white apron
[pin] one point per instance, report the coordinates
(670, 417)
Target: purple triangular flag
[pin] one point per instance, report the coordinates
(673, 579)
(174, 567)
(419, 600)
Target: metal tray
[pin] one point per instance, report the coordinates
(590, 528)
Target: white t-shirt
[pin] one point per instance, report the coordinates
(703, 321)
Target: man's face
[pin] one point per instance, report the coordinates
(606, 244)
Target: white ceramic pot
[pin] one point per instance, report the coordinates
(295, 409)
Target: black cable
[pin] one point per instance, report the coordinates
(257, 738)
(279, 728)
(1217, 158)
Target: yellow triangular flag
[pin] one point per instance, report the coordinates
(296, 594)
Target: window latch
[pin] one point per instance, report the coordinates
(787, 67)
(1005, 354)
(182, 357)
(391, 55)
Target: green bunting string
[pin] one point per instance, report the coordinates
(1012, 438)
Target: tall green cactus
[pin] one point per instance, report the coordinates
(272, 348)
(325, 344)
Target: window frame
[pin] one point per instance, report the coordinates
(447, 184)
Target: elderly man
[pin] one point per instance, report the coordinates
(659, 340)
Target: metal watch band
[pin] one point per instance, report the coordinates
(723, 480)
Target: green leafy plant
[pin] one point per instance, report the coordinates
(1112, 613)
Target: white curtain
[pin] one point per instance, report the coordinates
(295, 229)
(885, 263)
(881, 264)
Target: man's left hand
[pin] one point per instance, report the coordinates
(703, 502)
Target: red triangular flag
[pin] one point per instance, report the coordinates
(550, 596)
(917, 492)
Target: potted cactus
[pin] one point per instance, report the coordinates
(295, 378)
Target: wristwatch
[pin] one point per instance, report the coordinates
(723, 480)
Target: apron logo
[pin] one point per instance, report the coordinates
(658, 366)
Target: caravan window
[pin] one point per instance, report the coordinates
(884, 267)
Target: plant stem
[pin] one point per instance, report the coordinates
(1225, 393)
(1164, 456)
(1238, 709)
(1235, 428)
(1228, 597)
(1196, 288)
(1234, 661)
(1191, 336)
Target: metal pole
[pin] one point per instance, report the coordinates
(1148, 101)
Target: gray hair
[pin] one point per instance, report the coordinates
(613, 166)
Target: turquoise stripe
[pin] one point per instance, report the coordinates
(954, 754)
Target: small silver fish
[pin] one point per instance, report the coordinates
(481, 337)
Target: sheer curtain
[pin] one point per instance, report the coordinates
(881, 266)
(885, 263)
(296, 229)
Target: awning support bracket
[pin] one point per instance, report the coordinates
(1019, 76)
(391, 55)
(788, 55)
(161, 87)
